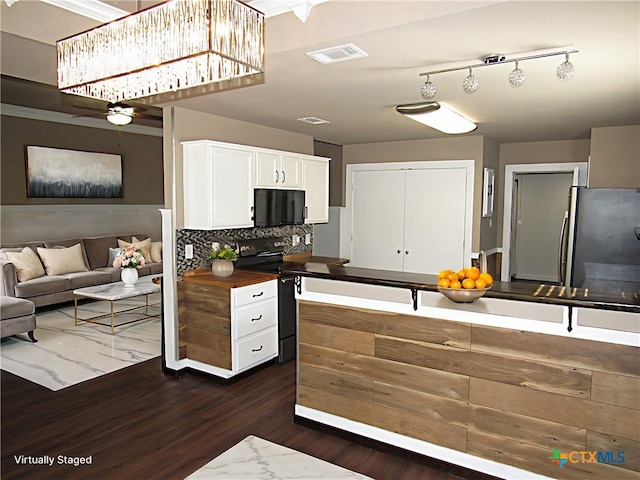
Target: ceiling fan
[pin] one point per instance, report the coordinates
(121, 114)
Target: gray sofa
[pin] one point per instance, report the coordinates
(51, 289)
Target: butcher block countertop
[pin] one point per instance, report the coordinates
(239, 278)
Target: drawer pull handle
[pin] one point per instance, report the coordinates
(257, 294)
(256, 349)
(256, 319)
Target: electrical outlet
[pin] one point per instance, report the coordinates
(307, 239)
(295, 240)
(188, 252)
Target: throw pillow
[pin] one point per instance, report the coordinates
(113, 253)
(156, 252)
(26, 263)
(144, 245)
(58, 261)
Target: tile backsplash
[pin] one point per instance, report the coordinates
(202, 239)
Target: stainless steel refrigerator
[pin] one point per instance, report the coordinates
(600, 240)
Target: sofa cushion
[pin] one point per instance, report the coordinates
(68, 243)
(87, 279)
(113, 254)
(11, 307)
(26, 263)
(129, 238)
(58, 261)
(144, 245)
(154, 268)
(42, 286)
(97, 250)
(113, 272)
(156, 252)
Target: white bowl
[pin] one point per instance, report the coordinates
(463, 295)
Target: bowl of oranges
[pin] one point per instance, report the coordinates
(464, 286)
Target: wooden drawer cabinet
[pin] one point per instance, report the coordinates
(254, 324)
(254, 293)
(253, 318)
(255, 349)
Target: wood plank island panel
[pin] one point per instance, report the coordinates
(204, 324)
(519, 407)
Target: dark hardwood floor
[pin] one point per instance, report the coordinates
(137, 423)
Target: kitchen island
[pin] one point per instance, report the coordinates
(526, 378)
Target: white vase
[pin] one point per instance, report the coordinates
(129, 276)
(222, 268)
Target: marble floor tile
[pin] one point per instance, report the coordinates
(257, 459)
(66, 354)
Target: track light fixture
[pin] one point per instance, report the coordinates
(517, 76)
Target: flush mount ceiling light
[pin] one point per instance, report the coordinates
(516, 78)
(438, 116)
(165, 52)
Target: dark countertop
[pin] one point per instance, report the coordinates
(523, 291)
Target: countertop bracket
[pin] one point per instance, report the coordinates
(570, 315)
(297, 281)
(414, 298)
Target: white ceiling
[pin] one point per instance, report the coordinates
(403, 39)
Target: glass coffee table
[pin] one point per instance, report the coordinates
(112, 292)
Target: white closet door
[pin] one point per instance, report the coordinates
(378, 221)
(435, 216)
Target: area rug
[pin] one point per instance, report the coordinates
(256, 459)
(66, 354)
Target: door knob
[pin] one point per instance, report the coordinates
(406, 252)
(399, 251)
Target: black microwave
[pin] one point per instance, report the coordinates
(274, 208)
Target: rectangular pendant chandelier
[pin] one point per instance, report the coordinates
(173, 50)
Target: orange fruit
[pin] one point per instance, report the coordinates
(455, 284)
(452, 276)
(487, 278)
(481, 283)
(444, 282)
(473, 273)
(468, 283)
(461, 274)
(443, 274)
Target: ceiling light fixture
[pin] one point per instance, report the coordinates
(169, 51)
(438, 116)
(516, 78)
(565, 70)
(428, 90)
(120, 115)
(471, 83)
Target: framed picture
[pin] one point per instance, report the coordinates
(58, 173)
(488, 189)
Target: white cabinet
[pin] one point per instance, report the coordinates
(315, 182)
(411, 219)
(254, 325)
(218, 189)
(277, 170)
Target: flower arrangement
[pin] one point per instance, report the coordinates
(130, 257)
(225, 253)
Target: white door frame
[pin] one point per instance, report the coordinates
(579, 170)
(346, 225)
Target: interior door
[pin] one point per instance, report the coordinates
(377, 232)
(435, 207)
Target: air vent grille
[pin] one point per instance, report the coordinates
(337, 54)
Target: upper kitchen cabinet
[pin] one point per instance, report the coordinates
(218, 187)
(277, 170)
(315, 182)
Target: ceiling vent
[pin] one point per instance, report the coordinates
(337, 54)
(313, 120)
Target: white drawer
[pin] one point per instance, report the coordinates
(254, 293)
(256, 316)
(256, 349)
